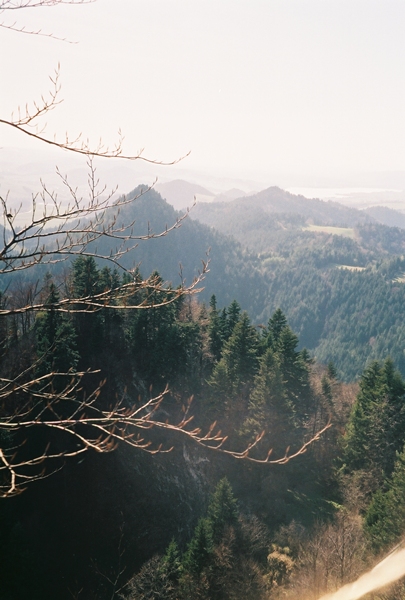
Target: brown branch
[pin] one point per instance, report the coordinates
(94, 429)
(26, 122)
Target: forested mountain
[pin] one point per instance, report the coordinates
(52, 532)
(340, 287)
(168, 525)
(204, 406)
(180, 253)
(140, 526)
(336, 274)
(250, 219)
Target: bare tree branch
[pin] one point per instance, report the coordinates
(10, 5)
(100, 430)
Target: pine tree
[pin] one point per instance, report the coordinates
(56, 338)
(235, 371)
(215, 331)
(86, 284)
(331, 370)
(200, 548)
(222, 510)
(326, 389)
(294, 365)
(270, 407)
(376, 428)
(276, 324)
(171, 563)
(385, 517)
(233, 317)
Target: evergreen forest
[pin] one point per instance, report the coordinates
(244, 440)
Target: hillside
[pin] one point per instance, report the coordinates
(194, 521)
(346, 315)
(342, 288)
(250, 219)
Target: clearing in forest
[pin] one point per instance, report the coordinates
(345, 231)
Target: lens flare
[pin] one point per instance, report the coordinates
(387, 571)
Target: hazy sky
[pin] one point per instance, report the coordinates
(250, 87)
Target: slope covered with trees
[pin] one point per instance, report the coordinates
(337, 274)
(171, 526)
(213, 354)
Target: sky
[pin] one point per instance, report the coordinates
(298, 90)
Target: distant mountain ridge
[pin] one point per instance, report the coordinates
(387, 216)
(180, 194)
(276, 200)
(251, 218)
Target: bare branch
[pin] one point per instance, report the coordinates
(9, 5)
(57, 231)
(27, 122)
(100, 430)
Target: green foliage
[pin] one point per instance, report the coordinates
(238, 362)
(331, 370)
(280, 398)
(232, 377)
(376, 428)
(86, 277)
(294, 365)
(257, 382)
(171, 562)
(218, 563)
(222, 510)
(56, 338)
(200, 548)
(86, 284)
(326, 389)
(163, 341)
(270, 408)
(385, 517)
(153, 582)
(216, 339)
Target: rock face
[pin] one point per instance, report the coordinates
(104, 515)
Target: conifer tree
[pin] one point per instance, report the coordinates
(200, 548)
(56, 338)
(376, 428)
(171, 563)
(86, 283)
(222, 510)
(326, 389)
(237, 367)
(233, 317)
(214, 330)
(276, 324)
(294, 365)
(112, 320)
(331, 370)
(86, 277)
(385, 517)
(270, 407)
